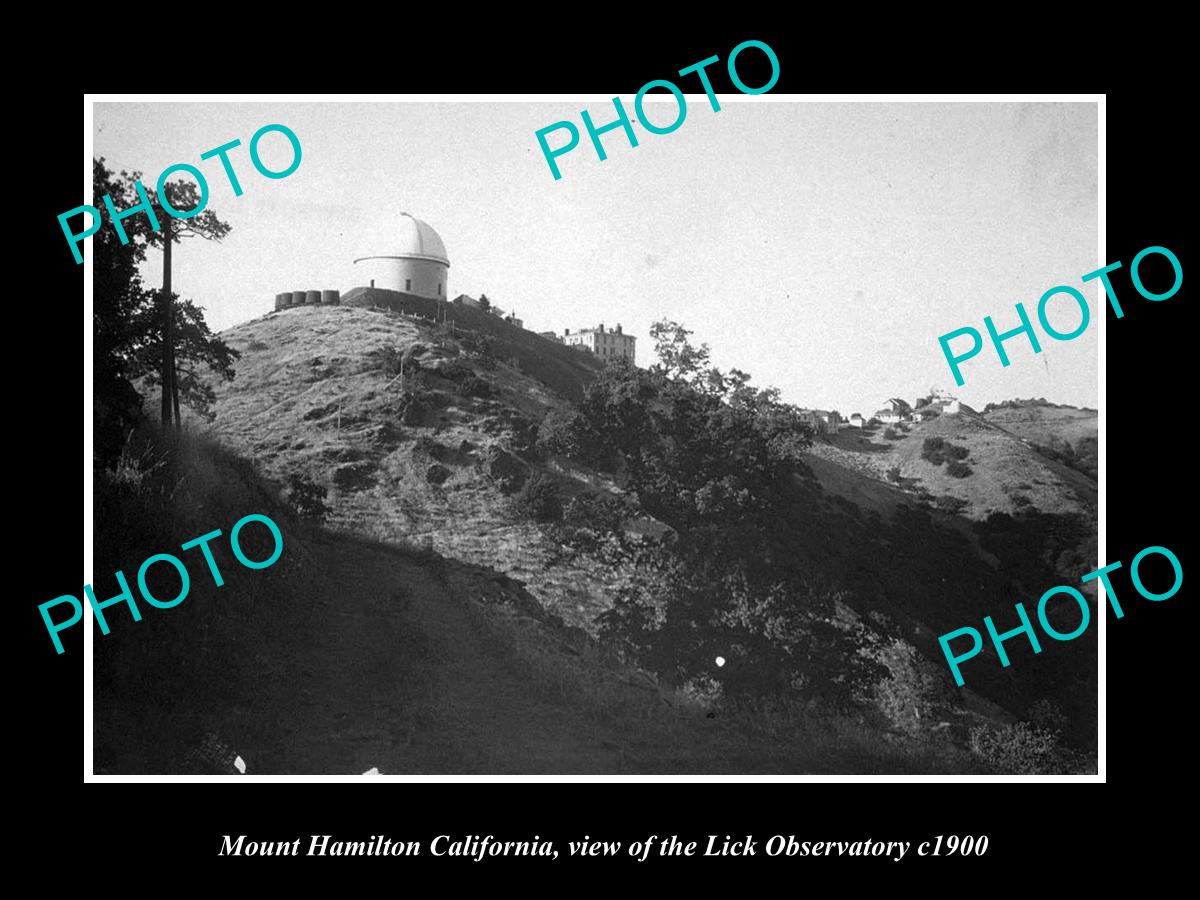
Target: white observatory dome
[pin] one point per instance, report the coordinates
(411, 260)
(418, 240)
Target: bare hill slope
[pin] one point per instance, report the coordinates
(431, 457)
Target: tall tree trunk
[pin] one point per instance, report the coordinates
(168, 348)
(175, 391)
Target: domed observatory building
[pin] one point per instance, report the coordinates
(415, 264)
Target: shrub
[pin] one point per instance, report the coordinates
(1022, 749)
(938, 450)
(912, 695)
(951, 504)
(890, 433)
(474, 386)
(893, 474)
(597, 513)
(308, 498)
(564, 432)
(256, 345)
(476, 343)
(956, 469)
(1048, 715)
(390, 359)
(540, 498)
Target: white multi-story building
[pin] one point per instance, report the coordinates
(607, 344)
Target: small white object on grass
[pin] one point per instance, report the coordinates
(720, 661)
(240, 765)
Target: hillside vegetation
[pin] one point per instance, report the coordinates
(1063, 433)
(350, 654)
(423, 436)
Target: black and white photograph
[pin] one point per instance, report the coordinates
(474, 438)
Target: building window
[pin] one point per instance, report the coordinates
(408, 284)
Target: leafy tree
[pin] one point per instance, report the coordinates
(117, 296)
(717, 466)
(677, 357)
(196, 349)
(144, 333)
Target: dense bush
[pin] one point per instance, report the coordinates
(566, 433)
(914, 694)
(890, 433)
(307, 498)
(389, 359)
(938, 450)
(1022, 749)
(893, 474)
(540, 498)
(597, 513)
(956, 469)
(477, 344)
(474, 386)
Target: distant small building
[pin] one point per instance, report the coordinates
(889, 416)
(856, 420)
(606, 344)
(897, 405)
(828, 421)
(467, 300)
(550, 336)
(924, 414)
(821, 421)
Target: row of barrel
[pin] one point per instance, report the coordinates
(307, 298)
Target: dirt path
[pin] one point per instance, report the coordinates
(392, 673)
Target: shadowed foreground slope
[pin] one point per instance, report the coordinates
(347, 655)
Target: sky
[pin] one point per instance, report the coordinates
(821, 247)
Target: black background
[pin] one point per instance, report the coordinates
(131, 830)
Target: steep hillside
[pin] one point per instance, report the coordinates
(348, 655)
(432, 457)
